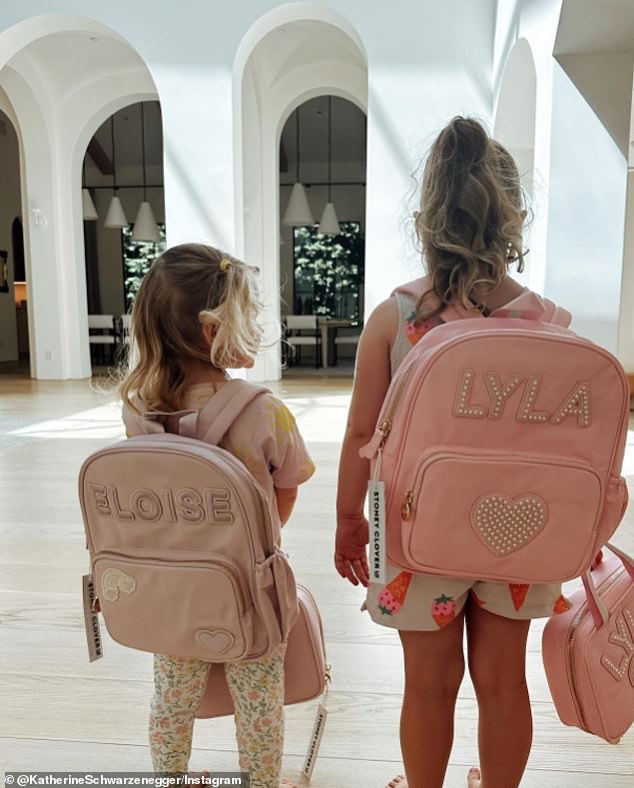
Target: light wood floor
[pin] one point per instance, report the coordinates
(60, 713)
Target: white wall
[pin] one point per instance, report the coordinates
(437, 61)
(533, 23)
(437, 66)
(586, 217)
(626, 320)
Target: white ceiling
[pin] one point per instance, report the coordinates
(348, 136)
(67, 60)
(128, 137)
(300, 45)
(595, 26)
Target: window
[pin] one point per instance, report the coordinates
(138, 256)
(328, 272)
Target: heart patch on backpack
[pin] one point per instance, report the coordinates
(219, 640)
(505, 524)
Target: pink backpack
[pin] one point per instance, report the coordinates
(183, 559)
(500, 443)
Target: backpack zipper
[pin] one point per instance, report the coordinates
(385, 426)
(407, 504)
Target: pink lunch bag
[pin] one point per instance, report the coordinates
(588, 651)
(306, 671)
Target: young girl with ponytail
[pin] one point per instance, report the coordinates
(470, 226)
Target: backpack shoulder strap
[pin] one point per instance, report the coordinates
(452, 311)
(221, 410)
(531, 306)
(527, 305)
(209, 424)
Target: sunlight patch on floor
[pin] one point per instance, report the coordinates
(101, 422)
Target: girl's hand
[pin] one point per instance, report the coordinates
(351, 560)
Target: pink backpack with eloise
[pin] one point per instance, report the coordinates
(183, 554)
(498, 448)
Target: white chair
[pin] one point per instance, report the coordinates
(303, 331)
(345, 339)
(101, 333)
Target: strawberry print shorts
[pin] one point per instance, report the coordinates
(429, 602)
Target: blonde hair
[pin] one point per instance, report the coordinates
(471, 216)
(188, 286)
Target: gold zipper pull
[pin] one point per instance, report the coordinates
(385, 427)
(406, 507)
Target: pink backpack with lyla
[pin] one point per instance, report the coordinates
(500, 443)
(182, 550)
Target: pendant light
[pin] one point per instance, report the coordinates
(298, 211)
(115, 218)
(88, 206)
(329, 224)
(145, 228)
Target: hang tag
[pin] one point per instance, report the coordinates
(315, 742)
(91, 620)
(376, 520)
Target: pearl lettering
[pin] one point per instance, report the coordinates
(575, 405)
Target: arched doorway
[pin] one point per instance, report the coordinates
(322, 255)
(14, 343)
(124, 226)
(55, 118)
(295, 53)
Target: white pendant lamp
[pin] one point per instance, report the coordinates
(88, 210)
(145, 227)
(88, 206)
(115, 218)
(298, 211)
(329, 224)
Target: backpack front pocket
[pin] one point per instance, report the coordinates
(191, 609)
(501, 516)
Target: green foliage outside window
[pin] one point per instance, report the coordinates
(138, 256)
(328, 272)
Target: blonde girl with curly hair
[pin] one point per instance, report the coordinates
(194, 318)
(470, 227)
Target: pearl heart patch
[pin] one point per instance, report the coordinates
(219, 640)
(504, 525)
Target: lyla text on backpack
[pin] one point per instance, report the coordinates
(575, 404)
(211, 505)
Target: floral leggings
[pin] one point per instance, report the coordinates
(257, 689)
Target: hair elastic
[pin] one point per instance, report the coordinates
(224, 264)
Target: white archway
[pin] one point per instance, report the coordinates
(514, 127)
(63, 75)
(293, 53)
